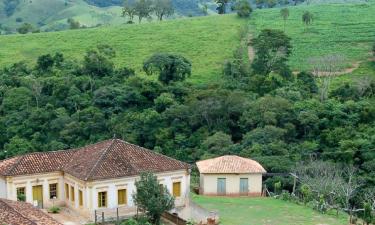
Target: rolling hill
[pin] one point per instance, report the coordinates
(206, 41)
(52, 15)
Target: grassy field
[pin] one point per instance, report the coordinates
(206, 41)
(337, 29)
(267, 211)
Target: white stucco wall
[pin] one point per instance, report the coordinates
(208, 183)
(3, 188)
(29, 181)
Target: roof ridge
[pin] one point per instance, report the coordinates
(16, 211)
(99, 160)
(149, 150)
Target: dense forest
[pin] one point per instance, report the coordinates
(260, 110)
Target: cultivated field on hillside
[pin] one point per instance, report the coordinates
(265, 211)
(206, 41)
(337, 29)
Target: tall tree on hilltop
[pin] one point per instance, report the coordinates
(129, 10)
(163, 8)
(285, 14)
(143, 9)
(307, 18)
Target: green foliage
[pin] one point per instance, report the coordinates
(170, 67)
(163, 8)
(152, 198)
(221, 6)
(21, 197)
(307, 18)
(54, 209)
(243, 8)
(73, 24)
(25, 28)
(272, 49)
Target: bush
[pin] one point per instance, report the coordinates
(21, 197)
(54, 209)
(243, 8)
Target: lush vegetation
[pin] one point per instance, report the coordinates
(336, 29)
(233, 211)
(206, 41)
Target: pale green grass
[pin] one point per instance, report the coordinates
(206, 41)
(337, 29)
(265, 211)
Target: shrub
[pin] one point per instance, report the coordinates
(21, 197)
(243, 8)
(54, 209)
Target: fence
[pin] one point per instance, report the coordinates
(114, 215)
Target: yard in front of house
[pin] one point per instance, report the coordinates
(265, 211)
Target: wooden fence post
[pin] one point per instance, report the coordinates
(102, 217)
(118, 220)
(96, 218)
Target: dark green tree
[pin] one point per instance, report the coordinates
(25, 28)
(272, 48)
(143, 9)
(243, 8)
(307, 18)
(284, 14)
(129, 10)
(221, 6)
(152, 198)
(169, 66)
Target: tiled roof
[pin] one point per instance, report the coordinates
(22, 213)
(230, 164)
(104, 160)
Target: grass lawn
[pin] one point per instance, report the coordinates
(337, 29)
(267, 211)
(206, 41)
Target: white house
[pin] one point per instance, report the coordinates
(97, 177)
(230, 175)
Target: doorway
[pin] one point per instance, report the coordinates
(38, 195)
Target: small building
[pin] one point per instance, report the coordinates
(14, 213)
(230, 175)
(95, 178)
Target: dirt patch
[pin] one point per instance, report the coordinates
(250, 49)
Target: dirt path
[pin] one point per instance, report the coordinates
(250, 49)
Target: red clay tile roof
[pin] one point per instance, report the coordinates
(230, 164)
(22, 213)
(104, 160)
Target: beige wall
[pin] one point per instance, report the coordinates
(208, 184)
(12, 183)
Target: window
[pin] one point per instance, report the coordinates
(102, 199)
(66, 191)
(21, 194)
(80, 198)
(121, 197)
(72, 194)
(52, 191)
(176, 189)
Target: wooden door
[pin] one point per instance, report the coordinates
(244, 186)
(38, 195)
(221, 186)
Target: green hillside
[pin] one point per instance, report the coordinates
(206, 41)
(337, 29)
